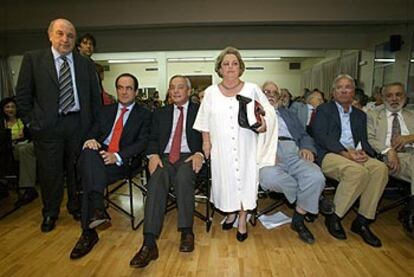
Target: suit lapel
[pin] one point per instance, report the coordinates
(189, 121)
(382, 125)
(132, 120)
(78, 74)
(50, 66)
(409, 120)
(110, 119)
(355, 120)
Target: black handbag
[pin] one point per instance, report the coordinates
(242, 117)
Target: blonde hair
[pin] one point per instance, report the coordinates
(229, 51)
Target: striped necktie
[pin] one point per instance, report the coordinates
(66, 97)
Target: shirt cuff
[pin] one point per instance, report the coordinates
(385, 151)
(119, 161)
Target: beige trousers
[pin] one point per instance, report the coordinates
(406, 172)
(367, 180)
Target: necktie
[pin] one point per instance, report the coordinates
(395, 128)
(175, 150)
(116, 134)
(66, 97)
(312, 117)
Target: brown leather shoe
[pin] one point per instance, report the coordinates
(187, 242)
(144, 256)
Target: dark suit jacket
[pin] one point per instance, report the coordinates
(302, 139)
(162, 125)
(37, 91)
(327, 130)
(135, 133)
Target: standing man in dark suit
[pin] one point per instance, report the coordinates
(295, 174)
(340, 133)
(58, 97)
(175, 156)
(120, 133)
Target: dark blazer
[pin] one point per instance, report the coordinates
(327, 130)
(162, 125)
(135, 133)
(302, 139)
(37, 90)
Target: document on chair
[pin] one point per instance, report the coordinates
(274, 220)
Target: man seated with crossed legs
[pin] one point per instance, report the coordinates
(120, 133)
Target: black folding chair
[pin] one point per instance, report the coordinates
(277, 200)
(135, 166)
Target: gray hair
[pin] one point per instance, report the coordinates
(385, 88)
(270, 83)
(343, 76)
(187, 80)
(52, 23)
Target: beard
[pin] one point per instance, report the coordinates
(394, 108)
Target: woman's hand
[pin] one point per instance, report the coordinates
(262, 127)
(207, 149)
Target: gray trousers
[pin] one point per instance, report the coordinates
(299, 180)
(182, 177)
(24, 153)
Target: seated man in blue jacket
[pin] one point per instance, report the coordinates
(294, 174)
(344, 154)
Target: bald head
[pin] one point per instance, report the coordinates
(62, 35)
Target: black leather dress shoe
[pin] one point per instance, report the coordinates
(100, 217)
(334, 226)
(76, 215)
(326, 206)
(303, 232)
(48, 224)
(28, 196)
(228, 225)
(144, 256)
(407, 219)
(366, 234)
(187, 242)
(85, 244)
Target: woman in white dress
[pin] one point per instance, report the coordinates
(236, 152)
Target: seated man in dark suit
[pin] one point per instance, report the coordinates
(340, 133)
(175, 156)
(294, 174)
(120, 133)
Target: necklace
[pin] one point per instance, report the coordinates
(230, 88)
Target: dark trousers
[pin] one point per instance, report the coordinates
(95, 177)
(182, 177)
(56, 150)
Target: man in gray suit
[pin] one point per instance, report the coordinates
(294, 174)
(391, 133)
(306, 112)
(58, 97)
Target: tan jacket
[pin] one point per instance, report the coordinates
(377, 127)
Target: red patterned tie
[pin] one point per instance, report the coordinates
(312, 117)
(175, 150)
(116, 135)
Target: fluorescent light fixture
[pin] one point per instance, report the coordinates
(412, 60)
(195, 59)
(384, 60)
(145, 60)
(261, 59)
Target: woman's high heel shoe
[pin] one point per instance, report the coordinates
(228, 225)
(241, 237)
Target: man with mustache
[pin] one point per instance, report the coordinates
(391, 133)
